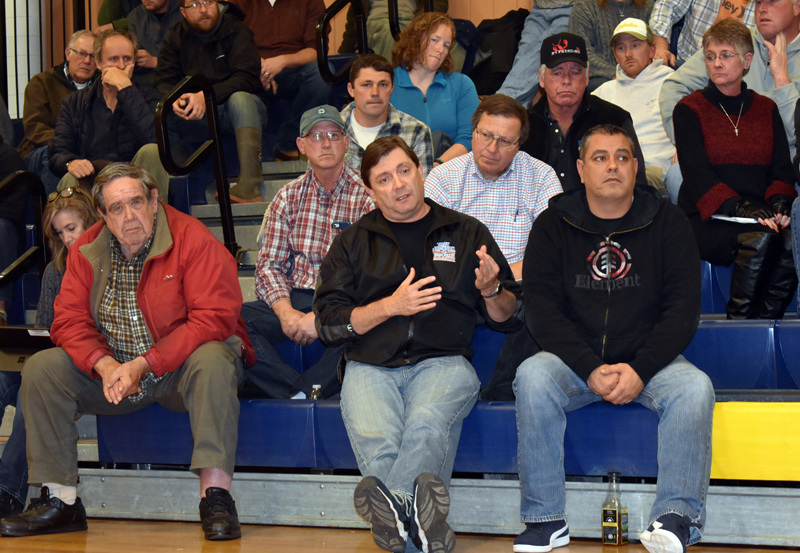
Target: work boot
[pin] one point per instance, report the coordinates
(248, 146)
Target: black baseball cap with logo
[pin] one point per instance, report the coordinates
(563, 47)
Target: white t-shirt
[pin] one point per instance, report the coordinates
(364, 135)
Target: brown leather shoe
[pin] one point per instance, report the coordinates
(45, 515)
(219, 516)
(280, 155)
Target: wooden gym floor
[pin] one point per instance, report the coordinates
(121, 536)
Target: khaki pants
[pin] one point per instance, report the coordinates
(147, 158)
(55, 393)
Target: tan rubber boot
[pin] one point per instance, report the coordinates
(248, 145)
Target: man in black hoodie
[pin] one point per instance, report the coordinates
(611, 281)
(212, 40)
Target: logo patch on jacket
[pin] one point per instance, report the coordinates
(443, 251)
(608, 268)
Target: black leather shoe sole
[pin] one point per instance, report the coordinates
(232, 534)
(14, 531)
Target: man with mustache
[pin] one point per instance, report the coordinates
(566, 110)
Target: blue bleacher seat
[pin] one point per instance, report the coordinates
(601, 437)
(735, 354)
(787, 354)
(716, 289)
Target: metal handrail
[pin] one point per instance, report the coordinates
(394, 16)
(323, 44)
(212, 146)
(36, 254)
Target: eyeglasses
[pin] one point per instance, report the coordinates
(81, 55)
(333, 136)
(65, 193)
(724, 56)
(487, 139)
(194, 5)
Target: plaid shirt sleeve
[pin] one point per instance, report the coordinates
(274, 257)
(665, 14)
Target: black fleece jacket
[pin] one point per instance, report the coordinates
(228, 57)
(365, 264)
(135, 127)
(593, 111)
(630, 297)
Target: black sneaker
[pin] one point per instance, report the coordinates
(219, 516)
(9, 506)
(668, 534)
(540, 537)
(429, 529)
(45, 515)
(385, 511)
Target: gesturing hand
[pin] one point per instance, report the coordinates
(486, 273)
(410, 297)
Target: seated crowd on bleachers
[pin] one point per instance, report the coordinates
(575, 222)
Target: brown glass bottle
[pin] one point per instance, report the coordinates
(615, 514)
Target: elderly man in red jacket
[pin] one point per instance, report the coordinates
(148, 313)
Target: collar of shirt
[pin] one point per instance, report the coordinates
(336, 191)
(508, 173)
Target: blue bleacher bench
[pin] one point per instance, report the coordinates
(737, 355)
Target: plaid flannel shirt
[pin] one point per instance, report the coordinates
(300, 226)
(416, 134)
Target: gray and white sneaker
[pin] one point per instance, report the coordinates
(385, 511)
(429, 508)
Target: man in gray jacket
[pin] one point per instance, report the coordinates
(149, 23)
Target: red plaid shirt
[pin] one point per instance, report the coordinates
(299, 228)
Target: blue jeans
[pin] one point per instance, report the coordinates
(522, 82)
(39, 163)
(407, 420)
(680, 394)
(239, 111)
(305, 85)
(673, 179)
(270, 374)
(14, 463)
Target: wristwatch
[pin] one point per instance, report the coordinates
(497, 290)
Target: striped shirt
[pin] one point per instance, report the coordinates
(300, 226)
(507, 206)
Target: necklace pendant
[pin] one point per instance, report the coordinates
(736, 131)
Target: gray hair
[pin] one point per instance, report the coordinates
(84, 32)
(543, 67)
(116, 171)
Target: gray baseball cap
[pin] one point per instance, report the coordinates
(319, 114)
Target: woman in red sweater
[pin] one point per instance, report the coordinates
(737, 177)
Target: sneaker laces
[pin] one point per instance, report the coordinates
(403, 501)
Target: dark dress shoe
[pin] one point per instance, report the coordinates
(45, 515)
(219, 517)
(9, 506)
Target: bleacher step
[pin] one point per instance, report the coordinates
(736, 515)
